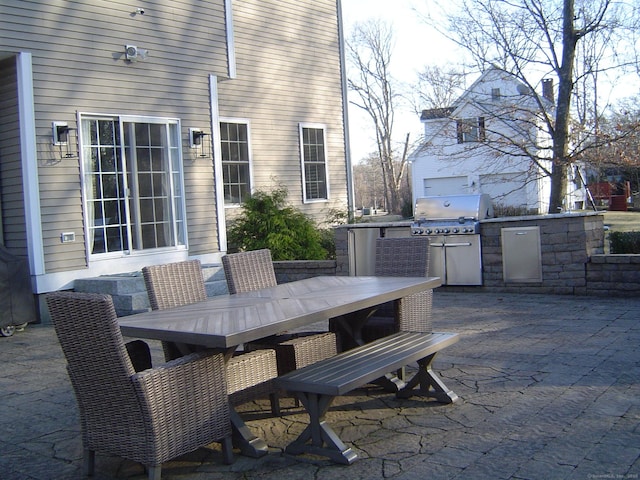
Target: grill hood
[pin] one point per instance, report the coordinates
(454, 207)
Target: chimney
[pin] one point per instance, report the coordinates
(547, 89)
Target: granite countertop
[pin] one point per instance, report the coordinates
(539, 217)
(407, 222)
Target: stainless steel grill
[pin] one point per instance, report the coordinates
(451, 214)
(452, 223)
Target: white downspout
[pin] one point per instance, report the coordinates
(217, 163)
(345, 115)
(29, 161)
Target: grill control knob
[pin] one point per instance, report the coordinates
(455, 230)
(427, 231)
(445, 230)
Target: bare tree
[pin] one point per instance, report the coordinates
(369, 52)
(534, 39)
(437, 87)
(619, 142)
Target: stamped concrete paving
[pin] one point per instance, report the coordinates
(549, 387)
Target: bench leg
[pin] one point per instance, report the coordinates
(319, 438)
(430, 384)
(390, 382)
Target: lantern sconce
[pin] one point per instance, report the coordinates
(198, 142)
(62, 138)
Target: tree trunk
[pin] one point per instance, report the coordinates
(561, 131)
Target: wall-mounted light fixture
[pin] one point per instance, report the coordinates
(63, 138)
(199, 143)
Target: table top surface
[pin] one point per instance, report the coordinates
(225, 321)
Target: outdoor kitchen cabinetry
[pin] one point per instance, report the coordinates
(521, 256)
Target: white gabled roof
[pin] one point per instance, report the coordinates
(479, 97)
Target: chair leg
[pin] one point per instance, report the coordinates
(274, 398)
(227, 450)
(89, 462)
(155, 472)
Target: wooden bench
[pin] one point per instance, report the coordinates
(318, 384)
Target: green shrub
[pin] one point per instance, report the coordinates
(267, 221)
(624, 242)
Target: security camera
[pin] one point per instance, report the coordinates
(141, 11)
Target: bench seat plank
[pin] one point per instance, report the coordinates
(356, 367)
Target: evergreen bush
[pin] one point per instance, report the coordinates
(267, 221)
(624, 242)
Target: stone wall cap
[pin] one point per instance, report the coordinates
(540, 217)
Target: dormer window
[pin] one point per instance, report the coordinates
(470, 130)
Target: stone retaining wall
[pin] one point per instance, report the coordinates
(290, 271)
(613, 275)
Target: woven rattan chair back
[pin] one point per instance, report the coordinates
(404, 257)
(248, 271)
(174, 284)
(97, 359)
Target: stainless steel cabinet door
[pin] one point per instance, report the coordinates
(463, 260)
(456, 259)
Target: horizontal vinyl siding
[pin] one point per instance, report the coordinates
(13, 230)
(61, 209)
(288, 65)
(79, 66)
(199, 190)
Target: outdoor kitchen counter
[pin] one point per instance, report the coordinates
(528, 218)
(399, 223)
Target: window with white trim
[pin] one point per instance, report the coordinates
(133, 185)
(236, 161)
(314, 162)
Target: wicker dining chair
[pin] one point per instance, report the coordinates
(150, 416)
(253, 270)
(250, 374)
(401, 257)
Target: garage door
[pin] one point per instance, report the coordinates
(445, 186)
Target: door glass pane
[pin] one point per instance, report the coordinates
(138, 192)
(103, 186)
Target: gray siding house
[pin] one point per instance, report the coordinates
(131, 131)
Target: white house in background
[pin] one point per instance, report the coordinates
(485, 143)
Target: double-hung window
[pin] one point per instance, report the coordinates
(236, 162)
(313, 154)
(133, 185)
(470, 130)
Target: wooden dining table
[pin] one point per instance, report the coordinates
(225, 322)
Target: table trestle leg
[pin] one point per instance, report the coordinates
(318, 437)
(247, 442)
(430, 385)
